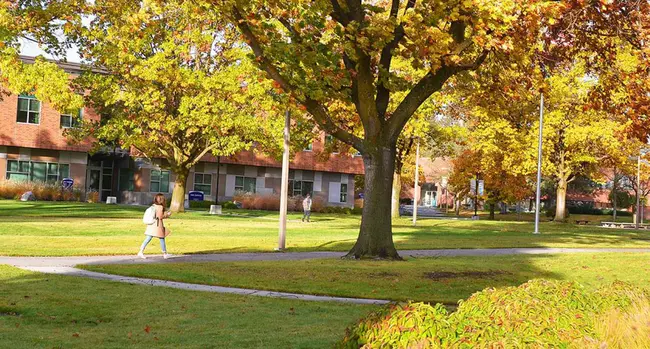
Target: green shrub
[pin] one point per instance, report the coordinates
(337, 209)
(538, 314)
(585, 210)
(618, 213)
(201, 204)
(550, 212)
(229, 205)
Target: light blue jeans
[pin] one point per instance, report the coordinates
(148, 239)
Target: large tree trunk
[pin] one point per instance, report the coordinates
(376, 234)
(178, 195)
(560, 209)
(491, 211)
(397, 188)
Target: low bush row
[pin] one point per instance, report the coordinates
(41, 191)
(271, 202)
(550, 212)
(537, 314)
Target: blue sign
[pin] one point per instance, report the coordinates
(67, 183)
(196, 196)
(360, 195)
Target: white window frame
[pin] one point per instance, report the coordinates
(29, 98)
(72, 119)
(202, 174)
(242, 188)
(29, 173)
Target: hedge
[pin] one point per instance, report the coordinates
(537, 314)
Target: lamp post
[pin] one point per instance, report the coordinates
(539, 162)
(284, 189)
(416, 192)
(638, 190)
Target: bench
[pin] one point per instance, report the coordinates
(582, 222)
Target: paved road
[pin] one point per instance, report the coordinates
(66, 266)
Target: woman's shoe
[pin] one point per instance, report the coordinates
(141, 255)
(167, 255)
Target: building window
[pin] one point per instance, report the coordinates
(159, 181)
(245, 184)
(203, 183)
(18, 170)
(301, 188)
(37, 171)
(127, 182)
(72, 119)
(29, 110)
(344, 192)
(331, 144)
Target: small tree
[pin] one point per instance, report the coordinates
(174, 83)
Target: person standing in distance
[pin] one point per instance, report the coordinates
(306, 206)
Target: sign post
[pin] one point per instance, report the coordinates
(67, 183)
(196, 196)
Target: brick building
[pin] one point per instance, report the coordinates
(33, 147)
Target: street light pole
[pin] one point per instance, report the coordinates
(416, 193)
(638, 190)
(539, 162)
(284, 189)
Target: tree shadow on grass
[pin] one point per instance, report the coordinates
(64, 311)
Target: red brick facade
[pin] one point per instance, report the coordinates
(48, 134)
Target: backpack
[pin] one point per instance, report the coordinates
(149, 217)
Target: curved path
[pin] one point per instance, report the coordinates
(66, 266)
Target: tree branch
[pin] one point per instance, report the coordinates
(383, 93)
(316, 109)
(202, 154)
(429, 84)
(339, 14)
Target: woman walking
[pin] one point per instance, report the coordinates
(157, 227)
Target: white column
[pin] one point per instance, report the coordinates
(284, 191)
(539, 162)
(416, 192)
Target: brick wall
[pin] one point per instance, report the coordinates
(48, 134)
(314, 160)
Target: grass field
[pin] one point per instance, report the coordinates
(66, 229)
(437, 280)
(49, 311)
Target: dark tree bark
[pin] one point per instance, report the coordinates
(376, 234)
(492, 211)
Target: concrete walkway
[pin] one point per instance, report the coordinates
(66, 266)
(270, 256)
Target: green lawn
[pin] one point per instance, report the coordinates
(65, 229)
(443, 279)
(49, 311)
